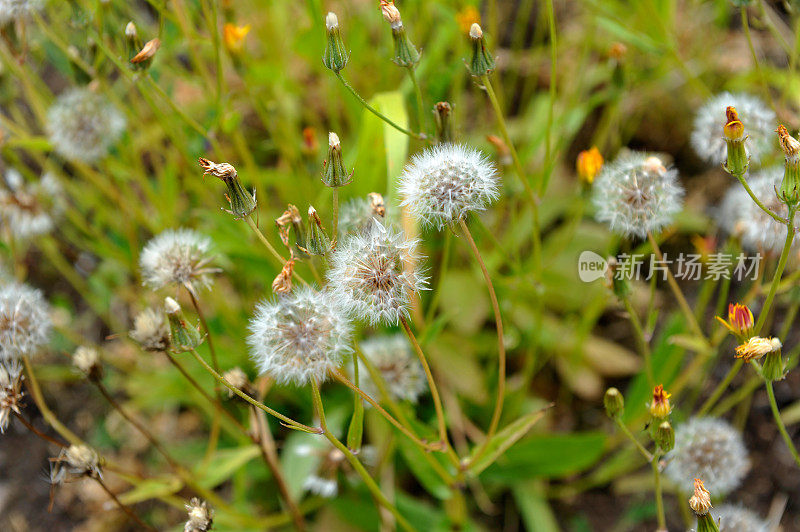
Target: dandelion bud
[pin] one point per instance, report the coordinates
(144, 58)
(132, 41)
(183, 336)
(734, 136)
(740, 321)
(405, 54)
(774, 369)
(201, 517)
(87, 361)
(317, 242)
(237, 378)
(614, 403)
(660, 407)
(283, 282)
(11, 393)
(334, 174)
(756, 347)
(700, 503)
(665, 437)
(335, 56)
(242, 202)
(789, 192)
(588, 165)
(82, 460)
(233, 37)
(442, 112)
(482, 63)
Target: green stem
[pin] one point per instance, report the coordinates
(761, 77)
(270, 248)
(787, 246)
(418, 94)
(644, 345)
(335, 214)
(47, 414)
(130, 513)
(289, 422)
(374, 111)
(625, 430)
(721, 387)
(779, 422)
(758, 202)
(662, 522)
(362, 472)
(551, 19)
(443, 262)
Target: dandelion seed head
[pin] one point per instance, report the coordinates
(10, 391)
(392, 356)
(738, 214)
(201, 517)
(176, 257)
(83, 125)
(736, 518)
(710, 449)
(299, 336)
(86, 359)
(150, 330)
(636, 194)
(27, 209)
(24, 321)
(758, 120)
(13, 10)
(372, 277)
(81, 460)
(357, 215)
(444, 183)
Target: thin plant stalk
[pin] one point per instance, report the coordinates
(36, 392)
(437, 401)
(762, 316)
(428, 447)
(443, 263)
(644, 345)
(130, 513)
(271, 248)
(362, 472)
(662, 522)
(374, 111)
(779, 422)
(335, 214)
(418, 95)
(501, 347)
(757, 201)
(28, 425)
(639, 447)
(287, 421)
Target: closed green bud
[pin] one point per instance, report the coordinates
(789, 193)
(183, 336)
(242, 202)
(482, 62)
(334, 174)
(442, 113)
(317, 242)
(132, 41)
(614, 403)
(335, 56)
(405, 54)
(735, 138)
(665, 437)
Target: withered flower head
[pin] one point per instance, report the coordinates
(283, 282)
(147, 52)
(756, 347)
(242, 202)
(700, 502)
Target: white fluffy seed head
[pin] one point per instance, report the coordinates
(13, 10)
(736, 518)
(372, 274)
(176, 257)
(636, 194)
(357, 215)
(738, 215)
(395, 361)
(331, 21)
(27, 209)
(150, 330)
(83, 125)
(710, 449)
(299, 337)
(758, 120)
(201, 517)
(24, 321)
(86, 359)
(444, 183)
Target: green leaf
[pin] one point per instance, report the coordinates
(533, 506)
(503, 440)
(224, 464)
(421, 468)
(548, 456)
(151, 488)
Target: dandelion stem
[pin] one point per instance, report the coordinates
(758, 202)
(270, 247)
(443, 262)
(287, 420)
(721, 387)
(662, 522)
(787, 247)
(36, 392)
(130, 513)
(335, 214)
(374, 111)
(779, 422)
(761, 77)
(501, 348)
(676, 291)
(36, 431)
(644, 345)
(362, 472)
(437, 401)
(625, 430)
(418, 95)
(428, 447)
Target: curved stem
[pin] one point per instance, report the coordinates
(362, 472)
(644, 345)
(289, 422)
(428, 447)
(36, 431)
(787, 246)
(374, 111)
(625, 430)
(270, 247)
(501, 348)
(437, 401)
(47, 414)
(757, 201)
(779, 422)
(130, 513)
